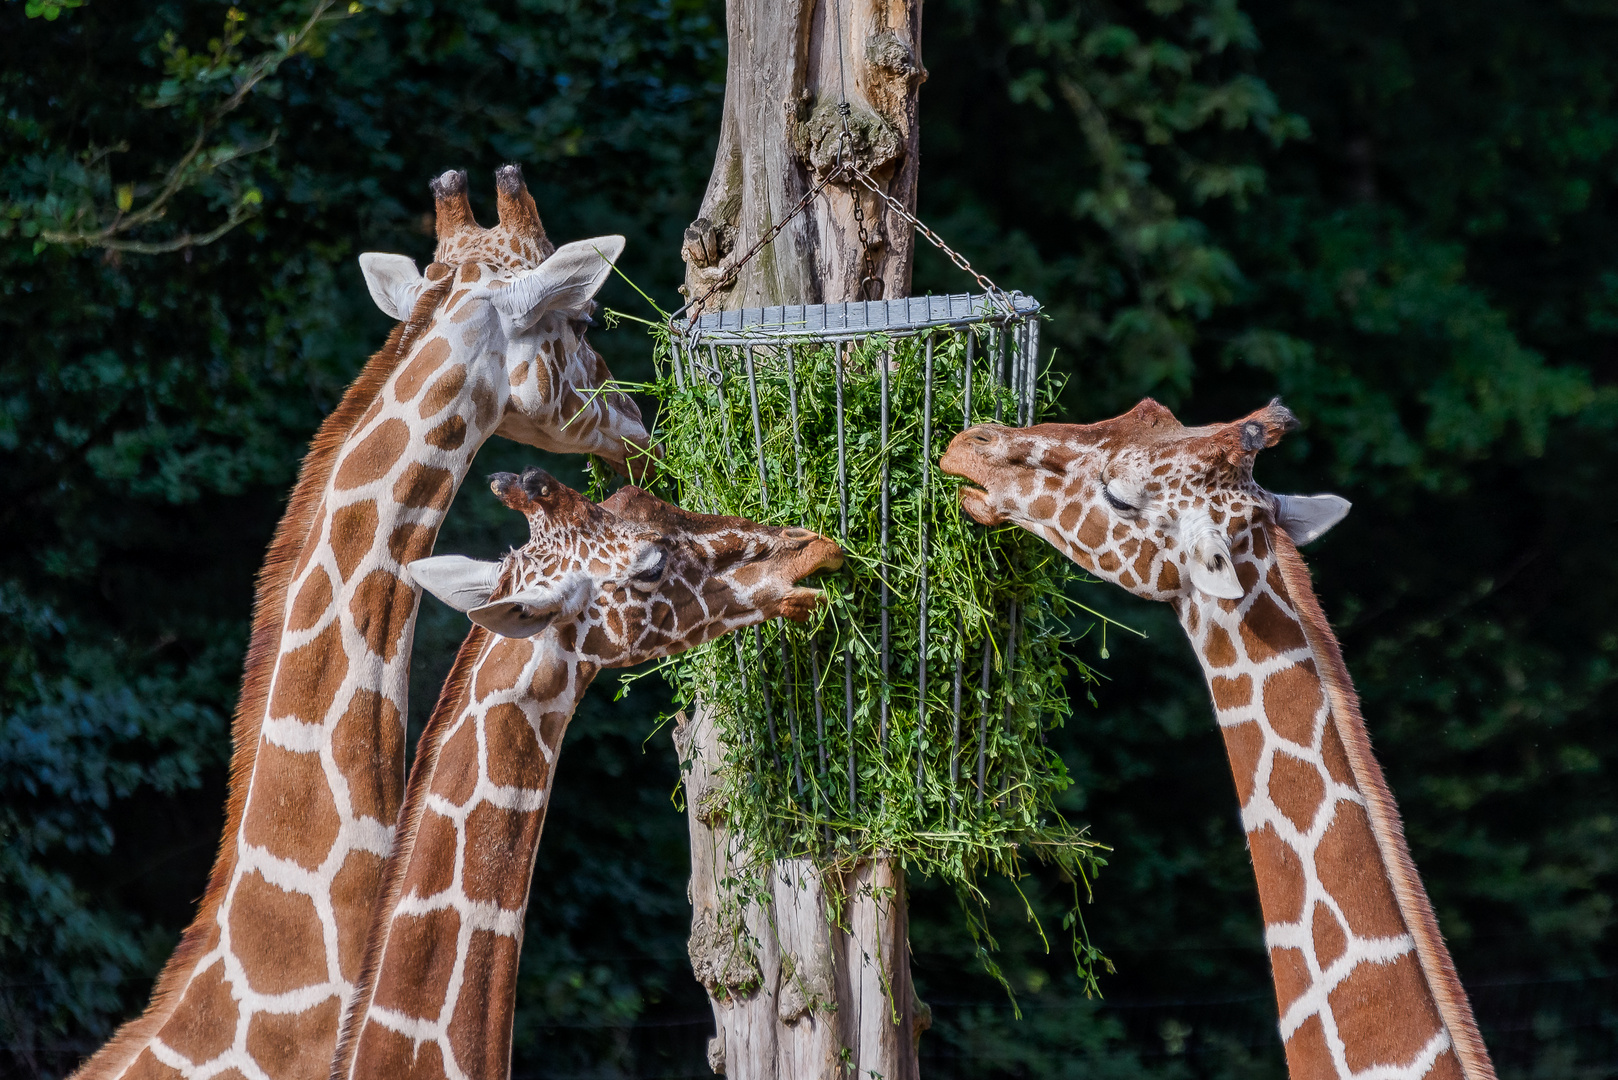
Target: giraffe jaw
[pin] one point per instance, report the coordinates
(799, 602)
(975, 504)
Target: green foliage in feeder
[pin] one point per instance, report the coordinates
(826, 751)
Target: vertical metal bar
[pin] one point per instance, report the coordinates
(792, 717)
(1033, 369)
(758, 431)
(921, 507)
(724, 410)
(1011, 662)
(792, 406)
(996, 337)
(966, 401)
(887, 457)
(820, 711)
(674, 358)
(848, 720)
(842, 456)
(983, 698)
(764, 682)
(955, 734)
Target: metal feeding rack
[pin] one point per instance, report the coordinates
(831, 416)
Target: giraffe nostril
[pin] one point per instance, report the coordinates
(797, 534)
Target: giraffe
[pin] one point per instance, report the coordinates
(1363, 981)
(630, 580)
(490, 339)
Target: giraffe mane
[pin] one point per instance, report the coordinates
(1438, 969)
(269, 606)
(451, 703)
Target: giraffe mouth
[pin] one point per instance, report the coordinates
(799, 602)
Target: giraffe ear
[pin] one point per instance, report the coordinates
(460, 582)
(394, 282)
(1309, 517)
(1211, 568)
(564, 282)
(526, 613)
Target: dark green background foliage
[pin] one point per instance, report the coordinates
(1400, 216)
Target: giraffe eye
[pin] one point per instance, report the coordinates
(652, 573)
(1115, 502)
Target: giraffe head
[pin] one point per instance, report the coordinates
(630, 579)
(1139, 500)
(512, 309)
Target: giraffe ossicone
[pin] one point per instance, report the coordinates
(1364, 984)
(490, 339)
(596, 586)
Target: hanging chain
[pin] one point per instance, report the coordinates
(845, 157)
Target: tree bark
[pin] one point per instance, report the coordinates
(794, 995)
(779, 136)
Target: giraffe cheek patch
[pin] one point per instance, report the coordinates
(204, 1026)
(1351, 870)
(1247, 574)
(368, 747)
(1296, 790)
(1168, 578)
(310, 676)
(598, 644)
(456, 775)
(1093, 533)
(425, 947)
(1328, 936)
(1384, 1013)
(374, 456)
(497, 840)
(480, 1037)
(415, 375)
(1070, 514)
(1292, 701)
(292, 815)
(353, 529)
(1275, 862)
(1243, 745)
(1109, 562)
(290, 1046)
(1268, 631)
(515, 759)
(1292, 977)
(1043, 508)
(1307, 1051)
(382, 608)
(353, 894)
(1143, 560)
(277, 936)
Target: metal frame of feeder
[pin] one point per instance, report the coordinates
(1013, 346)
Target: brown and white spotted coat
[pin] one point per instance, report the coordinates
(595, 587)
(258, 983)
(1364, 984)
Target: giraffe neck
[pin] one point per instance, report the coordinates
(262, 974)
(439, 989)
(1362, 977)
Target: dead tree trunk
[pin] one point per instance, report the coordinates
(794, 996)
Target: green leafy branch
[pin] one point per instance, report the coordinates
(191, 78)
